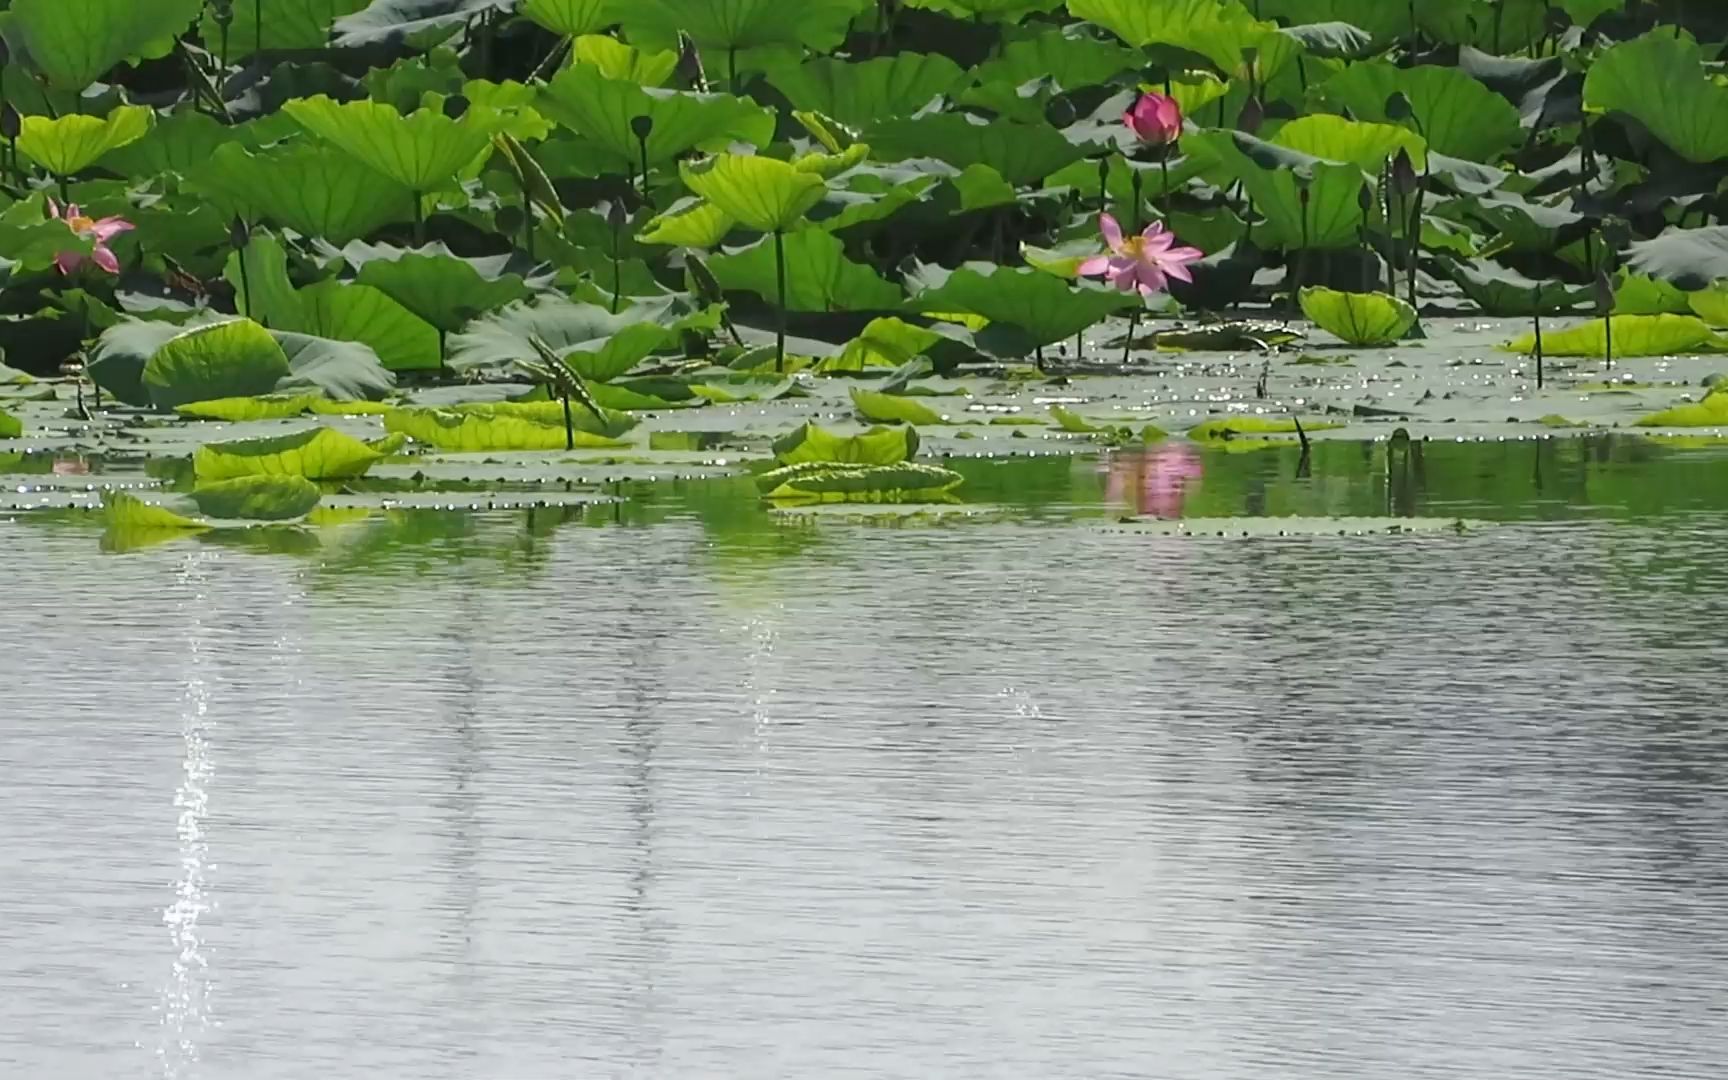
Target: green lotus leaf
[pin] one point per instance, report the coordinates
(761, 193)
(616, 60)
(1021, 153)
(10, 426)
(1269, 174)
(473, 432)
(357, 312)
(620, 352)
(1072, 62)
(603, 110)
(262, 289)
(390, 22)
(878, 408)
(76, 42)
(342, 371)
(423, 151)
(1659, 80)
(231, 358)
(276, 25)
(1497, 26)
(316, 453)
(1332, 40)
(988, 10)
(441, 288)
(315, 190)
(697, 223)
(264, 407)
(1638, 294)
(1219, 30)
(866, 92)
(572, 18)
(1365, 145)
(885, 343)
(829, 482)
(878, 446)
(258, 497)
(178, 143)
(1711, 412)
(1585, 12)
(1358, 318)
(731, 25)
(1711, 304)
(1499, 291)
(123, 510)
(1455, 114)
(819, 277)
(506, 336)
(1046, 308)
(981, 187)
(68, 144)
(1233, 427)
(610, 423)
(1634, 335)
(1378, 18)
(1691, 259)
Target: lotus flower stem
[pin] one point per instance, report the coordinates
(1104, 185)
(780, 284)
(1128, 343)
(1536, 315)
(1136, 182)
(246, 285)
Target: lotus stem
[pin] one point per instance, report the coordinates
(569, 423)
(65, 191)
(732, 68)
(419, 221)
(1536, 314)
(780, 283)
(1136, 182)
(552, 57)
(257, 27)
(1104, 184)
(642, 144)
(246, 285)
(1133, 324)
(1608, 337)
(1164, 180)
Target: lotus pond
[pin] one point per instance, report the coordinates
(863, 537)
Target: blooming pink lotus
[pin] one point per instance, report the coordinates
(1140, 262)
(1155, 120)
(99, 232)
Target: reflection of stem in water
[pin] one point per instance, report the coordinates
(460, 802)
(184, 1011)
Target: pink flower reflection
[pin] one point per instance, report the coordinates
(1156, 482)
(71, 467)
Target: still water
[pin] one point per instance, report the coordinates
(673, 792)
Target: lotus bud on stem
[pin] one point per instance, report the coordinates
(73, 368)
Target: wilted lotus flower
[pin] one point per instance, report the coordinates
(98, 231)
(1141, 262)
(1155, 120)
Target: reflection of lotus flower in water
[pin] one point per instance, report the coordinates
(98, 232)
(1158, 480)
(71, 467)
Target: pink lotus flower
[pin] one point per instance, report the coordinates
(1140, 262)
(1155, 120)
(99, 232)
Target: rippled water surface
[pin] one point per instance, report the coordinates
(1019, 799)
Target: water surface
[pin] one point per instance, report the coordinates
(665, 790)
